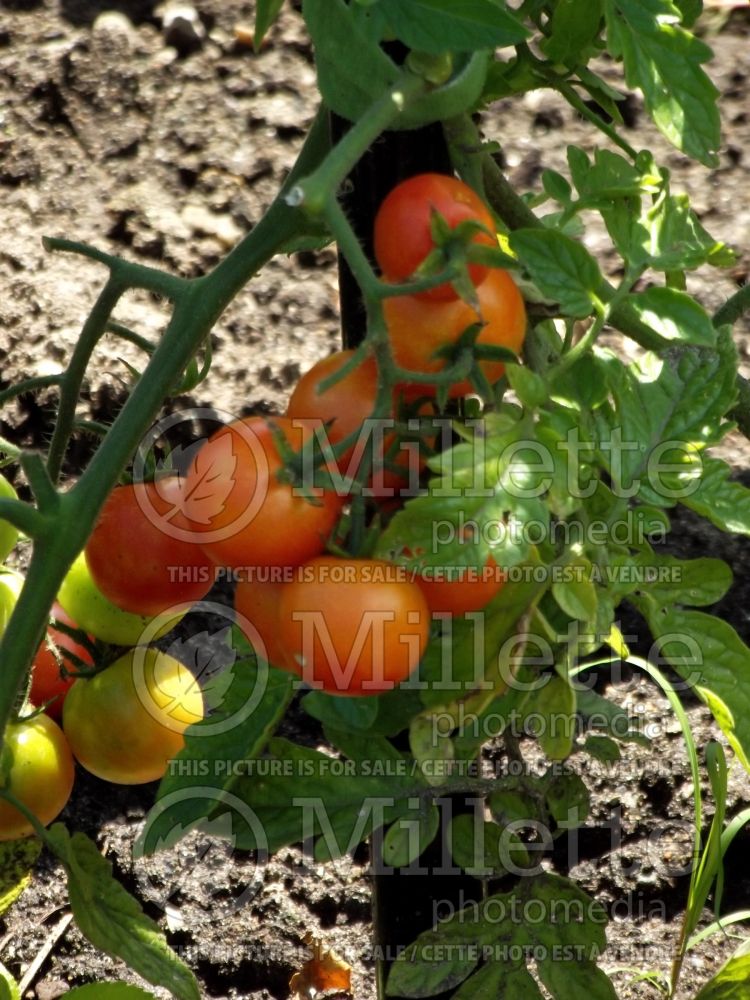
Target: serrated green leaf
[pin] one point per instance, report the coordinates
(496, 981)
(484, 850)
(721, 499)
(666, 412)
(568, 799)
(410, 835)
(603, 749)
(113, 920)
(551, 716)
(109, 991)
(438, 26)
(572, 29)
(576, 594)
(603, 715)
(564, 270)
(569, 923)
(674, 315)
(664, 61)
(348, 85)
(17, 859)
(530, 388)
(349, 713)
(303, 793)
(709, 655)
(265, 14)
(254, 699)
(569, 980)
(693, 582)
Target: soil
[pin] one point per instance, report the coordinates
(165, 146)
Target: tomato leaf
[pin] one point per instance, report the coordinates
(312, 795)
(563, 269)
(113, 920)
(348, 85)
(266, 13)
(411, 835)
(496, 981)
(438, 26)
(721, 499)
(674, 315)
(551, 708)
(572, 925)
(682, 401)
(664, 61)
(254, 697)
(572, 29)
(215, 468)
(711, 657)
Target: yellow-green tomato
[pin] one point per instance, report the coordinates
(94, 613)
(41, 774)
(11, 583)
(8, 531)
(127, 722)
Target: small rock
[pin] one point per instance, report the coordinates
(113, 24)
(208, 223)
(183, 28)
(51, 989)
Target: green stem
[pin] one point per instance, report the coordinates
(29, 385)
(312, 194)
(46, 496)
(128, 273)
(572, 97)
(91, 333)
(733, 308)
(21, 515)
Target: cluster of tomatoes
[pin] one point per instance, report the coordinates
(269, 501)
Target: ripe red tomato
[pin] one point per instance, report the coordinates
(48, 684)
(41, 774)
(403, 236)
(418, 329)
(353, 626)
(456, 590)
(141, 554)
(345, 408)
(257, 607)
(127, 722)
(242, 512)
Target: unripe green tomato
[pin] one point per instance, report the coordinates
(90, 609)
(11, 583)
(41, 774)
(8, 531)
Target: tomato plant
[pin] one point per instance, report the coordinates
(127, 722)
(403, 227)
(53, 670)
(140, 554)
(352, 626)
(420, 330)
(40, 775)
(556, 461)
(237, 502)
